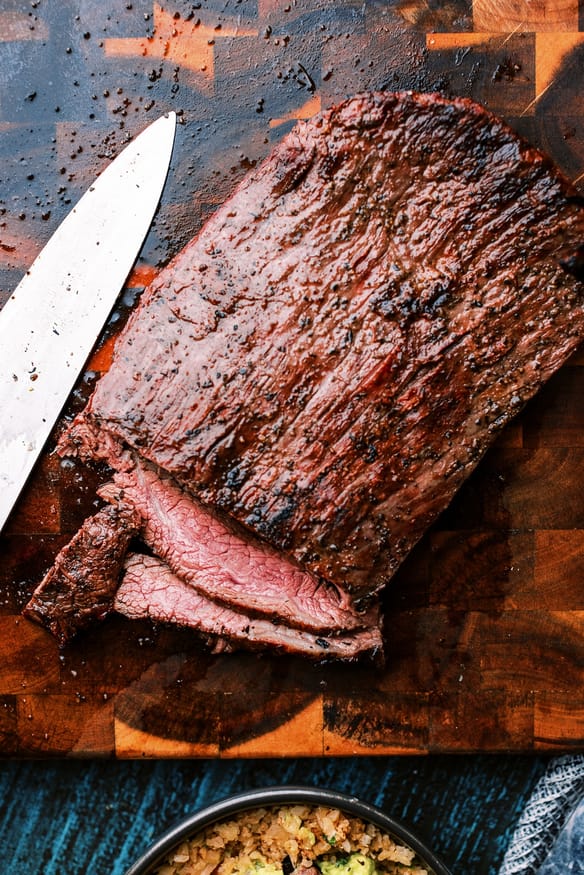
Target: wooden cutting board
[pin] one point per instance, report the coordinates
(484, 622)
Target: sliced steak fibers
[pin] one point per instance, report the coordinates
(150, 590)
(222, 565)
(328, 360)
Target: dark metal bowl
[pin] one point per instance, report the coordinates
(276, 796)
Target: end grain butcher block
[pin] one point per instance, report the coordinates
(303, 389)
(481, 620)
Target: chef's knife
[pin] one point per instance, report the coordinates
(54, 317)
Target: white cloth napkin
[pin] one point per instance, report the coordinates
(549, 836)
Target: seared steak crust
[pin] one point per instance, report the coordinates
(80, 587)
(332, 355)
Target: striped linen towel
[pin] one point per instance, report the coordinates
(549, 836)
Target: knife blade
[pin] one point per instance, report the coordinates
(52, 320)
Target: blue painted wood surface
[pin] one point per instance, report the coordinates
(70, 817)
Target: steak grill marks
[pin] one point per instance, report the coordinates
(331, 356)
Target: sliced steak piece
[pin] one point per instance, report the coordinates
(80, 587)
(223, 566)
(330, 357)
(150, 589)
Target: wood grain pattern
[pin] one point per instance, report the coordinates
(484, 622)
(525, 15)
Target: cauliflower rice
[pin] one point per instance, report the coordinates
(290, 839)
